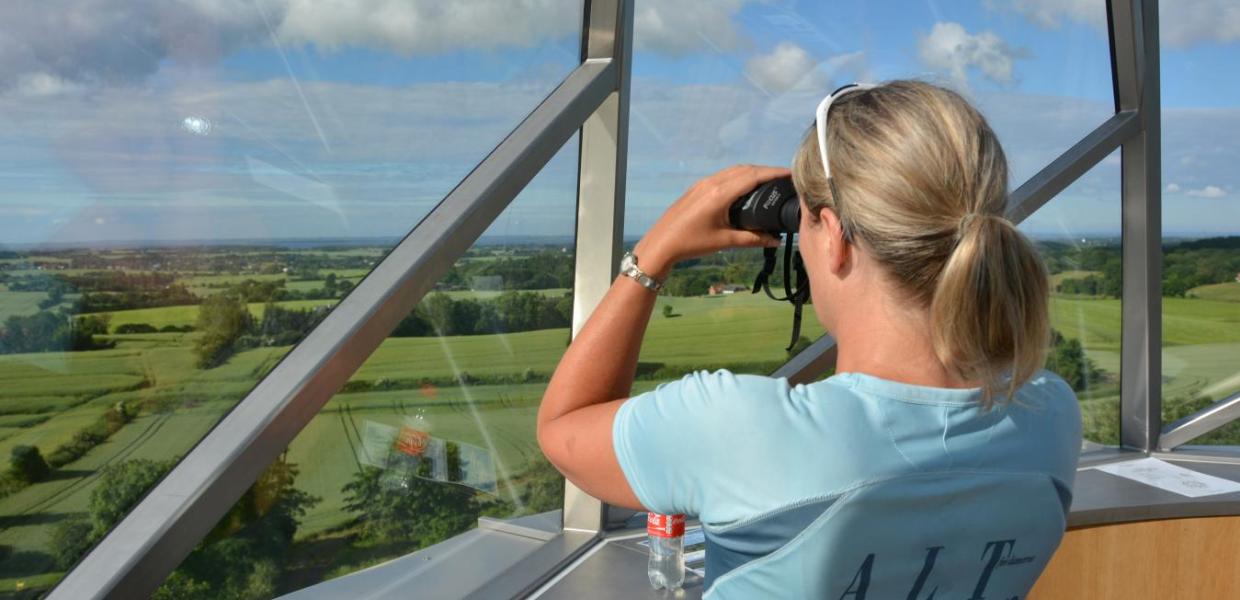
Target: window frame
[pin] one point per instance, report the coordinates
(138, 554)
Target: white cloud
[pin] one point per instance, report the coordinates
(1210, 191)
(781, 70)
(950, 49)
(426, 26)
(1173, 188)
(44, 84)
(683, 26)
(1182, 23)
(108, 42)
(1051, 13)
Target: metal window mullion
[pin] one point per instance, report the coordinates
(140, 552)
(1135, 35)
(608, 34)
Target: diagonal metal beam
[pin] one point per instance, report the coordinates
(1071, 165)
(810, 363)
(156, 536)
(1200, 423)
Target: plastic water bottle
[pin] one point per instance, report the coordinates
(666, 535)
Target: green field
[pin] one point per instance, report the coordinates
(19, 303)
(46, 398)
(1222, 292)
(186, 315)
(1058, 278)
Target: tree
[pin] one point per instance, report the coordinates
(222, 319)
(240, 557)
(120, 487)
(27, 464)
(71, 539)
(1068, 360)
(668, 311)
(422, 509)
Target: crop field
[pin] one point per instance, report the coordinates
(186, 315)
(48, 398)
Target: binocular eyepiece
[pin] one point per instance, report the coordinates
(771, 207)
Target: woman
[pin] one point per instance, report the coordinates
(938, 459)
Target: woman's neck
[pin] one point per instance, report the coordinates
(878, 337)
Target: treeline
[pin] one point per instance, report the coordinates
(275, 291)
(227, 327)
(105, 291)
(540, 270)
(1186, 265)
(510, 312)
(53, 331)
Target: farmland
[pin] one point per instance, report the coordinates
(475, 390)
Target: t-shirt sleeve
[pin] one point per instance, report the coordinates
(677, 443)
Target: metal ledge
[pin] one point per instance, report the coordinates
(140, 552)
(1200, 423)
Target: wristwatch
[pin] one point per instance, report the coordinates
(628, 268)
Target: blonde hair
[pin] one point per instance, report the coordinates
(922, 184)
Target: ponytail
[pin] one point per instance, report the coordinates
(989, 315)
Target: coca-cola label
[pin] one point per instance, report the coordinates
(665, 526)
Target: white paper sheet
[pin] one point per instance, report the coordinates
(1172, 478)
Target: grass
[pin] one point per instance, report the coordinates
(46, 398)
(1221, 292)
(1059, 277)
(187, 315)
(19, 303)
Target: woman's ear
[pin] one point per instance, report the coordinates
(837, 248)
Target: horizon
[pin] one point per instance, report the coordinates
(387, 242)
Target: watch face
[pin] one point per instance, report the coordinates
(628, 262)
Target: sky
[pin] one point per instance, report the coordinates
(147, 120)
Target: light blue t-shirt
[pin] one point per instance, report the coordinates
(856, 486)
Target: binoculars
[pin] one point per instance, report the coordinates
(771, 207)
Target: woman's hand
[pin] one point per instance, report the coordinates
(697, 223)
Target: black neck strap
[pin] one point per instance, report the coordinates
(796, 295)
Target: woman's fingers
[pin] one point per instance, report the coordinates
(740, 179)
(751, 239)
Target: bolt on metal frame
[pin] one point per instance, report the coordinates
(139, 553)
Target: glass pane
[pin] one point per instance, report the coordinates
(435, 430)
(1078, 234)
(736, 82)
(184, 193)
(1201, 220)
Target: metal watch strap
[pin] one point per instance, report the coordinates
(635, 273)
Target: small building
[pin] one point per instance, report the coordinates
(726, 288)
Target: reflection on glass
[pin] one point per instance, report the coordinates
(1078, 235)
(741, 87)
(1201, 219)
(436, 429)
(184, 193)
